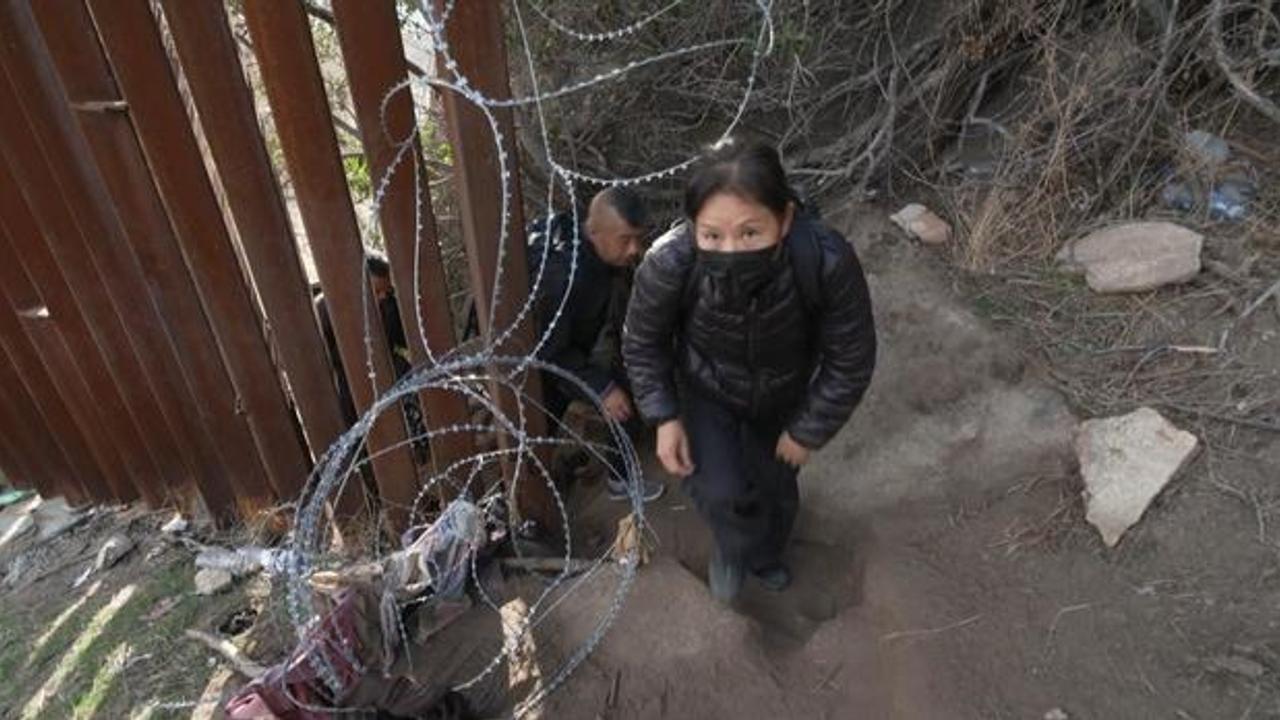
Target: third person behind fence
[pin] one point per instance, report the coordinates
(749, 341)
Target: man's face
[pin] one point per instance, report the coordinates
(617, 242)
(380, 284)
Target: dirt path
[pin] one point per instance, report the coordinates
(944, 569)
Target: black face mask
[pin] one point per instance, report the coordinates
(736, 277)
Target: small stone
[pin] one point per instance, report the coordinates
(210, 582)
(55, 517)
(16, 528)
(919, 222)
(116, 547)
(1057, 714)
(1135, 257)
(176, 526)
(1126, 461)
(1236, 665)
(1207, 148)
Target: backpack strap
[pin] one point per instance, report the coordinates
(804, 250)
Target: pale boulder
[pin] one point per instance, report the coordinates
(211, 582)
(1125, 462)
(921, 223)
(1135, 257)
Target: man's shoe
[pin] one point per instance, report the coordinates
(652, 490)
(724, 578)
(774, 578)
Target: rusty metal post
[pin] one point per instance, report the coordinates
(230, 468)
(50, 161)
(127, 461)
(53, 377)
(59, 413)
(14, 457)
(26, 250)
(30, 316)
(40, 458)
(226, 106)
(373, 51)
(32, 436)
(132, 42)
(478, 45)
(295, 90)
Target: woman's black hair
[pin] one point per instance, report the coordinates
(752, 171)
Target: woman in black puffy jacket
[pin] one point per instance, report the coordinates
(749, 341)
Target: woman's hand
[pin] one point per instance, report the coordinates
(789, 451)
(673, 448)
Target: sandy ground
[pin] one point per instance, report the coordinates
(943, 570)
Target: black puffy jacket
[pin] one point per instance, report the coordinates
(810, 358)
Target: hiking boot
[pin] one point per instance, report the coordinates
(652, 490)
(774, 578)
(724, 578)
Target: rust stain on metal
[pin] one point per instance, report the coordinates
(373, 51)
(141, 67)
(282, 40)
(222, 96)
(477, 43)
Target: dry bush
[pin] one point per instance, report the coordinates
(1030, 120)
(1025, 122)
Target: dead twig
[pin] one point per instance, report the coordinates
(1242, 87)
(912, 634)
(229, 652)
(549, 564)
(1262, 300)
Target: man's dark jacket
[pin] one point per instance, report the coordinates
(585, 301)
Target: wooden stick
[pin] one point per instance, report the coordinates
(1262, 299)
(230, 652)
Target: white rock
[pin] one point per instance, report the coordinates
(115, 547)
(1237, 665)
(15, 528)
(1057, 714)
(239, 561)
(919, 222)
(1126, 461)
(176, 526)
(209, 582)
(1207, 148)
(1134, 257)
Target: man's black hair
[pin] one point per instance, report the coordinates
(628, 204)
(377, 265)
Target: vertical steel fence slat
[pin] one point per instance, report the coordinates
(133, 45)
(286, 54)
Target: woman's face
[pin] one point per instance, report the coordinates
(728, 222)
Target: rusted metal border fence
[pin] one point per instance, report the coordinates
(134, 359)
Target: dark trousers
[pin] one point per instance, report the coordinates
(747, 496)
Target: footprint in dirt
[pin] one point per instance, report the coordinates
(827, 580)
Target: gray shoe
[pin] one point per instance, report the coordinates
(652, 490)
(724, 578)
(774, 578)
